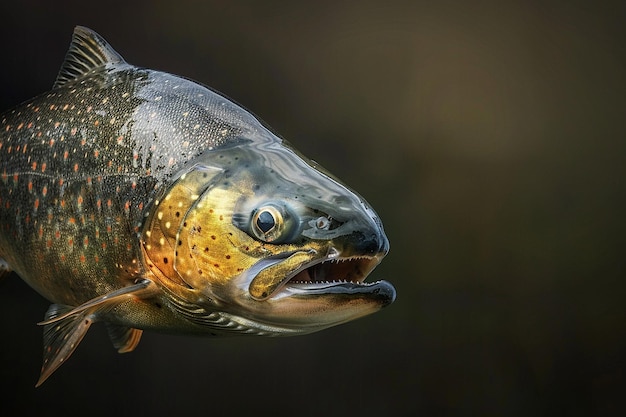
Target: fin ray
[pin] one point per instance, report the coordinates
(61, 338)
(125, 339)
(65, 327)
(113, 297)
(87, 52)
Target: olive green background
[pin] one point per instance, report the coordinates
(489, 136)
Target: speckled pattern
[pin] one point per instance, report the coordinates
(81, 164)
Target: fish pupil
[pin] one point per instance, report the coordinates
(265, 221)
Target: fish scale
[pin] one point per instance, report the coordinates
(65, 196)
(148, 201)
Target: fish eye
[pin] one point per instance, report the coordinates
(323, 223)
(268, 223)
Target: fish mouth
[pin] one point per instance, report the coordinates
(334, 274)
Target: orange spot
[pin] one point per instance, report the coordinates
(44, 191)
(72, 220)
(79, 200)
(75, 167)
(96, 153)
(82, 257)
(49, 243)
(34, 166)
(57, 234)
(43, 167)
(86, 241)
(36, 204)
(30, 186)
(66, 154)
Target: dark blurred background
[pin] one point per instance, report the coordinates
(490, 137)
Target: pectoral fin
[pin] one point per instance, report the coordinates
(65, 327)
(106, 300)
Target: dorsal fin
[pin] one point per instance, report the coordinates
(87, 52)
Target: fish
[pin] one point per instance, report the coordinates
(147, 201)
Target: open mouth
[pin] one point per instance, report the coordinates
(305, 274)
(335, 271)
(339, 276)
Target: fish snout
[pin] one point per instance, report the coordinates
(371, 244)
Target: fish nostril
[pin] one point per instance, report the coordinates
(373, 244)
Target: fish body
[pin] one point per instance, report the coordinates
(147, 201)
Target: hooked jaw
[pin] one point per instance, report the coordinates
(345, 264)
(322, 291)
(334, 274)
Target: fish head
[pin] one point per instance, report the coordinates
(269, 239)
